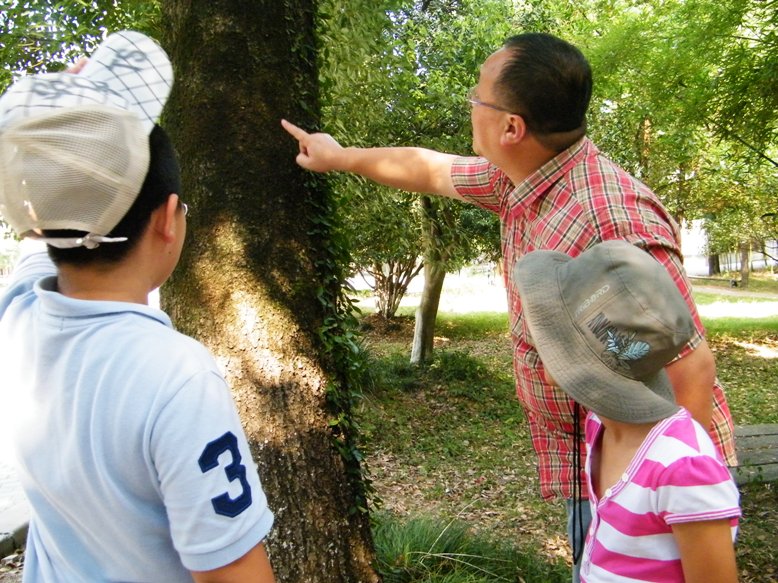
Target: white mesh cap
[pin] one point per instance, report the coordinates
(74, 147)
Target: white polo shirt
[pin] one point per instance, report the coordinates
(130, 448)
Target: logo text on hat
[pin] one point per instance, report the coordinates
(70, 86)
(123, 60)
(592, 298)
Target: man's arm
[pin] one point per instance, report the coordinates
(253, 567)
(412, 169)
(693, 377)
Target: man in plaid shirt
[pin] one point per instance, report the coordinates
(552, 190)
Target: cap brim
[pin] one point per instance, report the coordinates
(128, 71)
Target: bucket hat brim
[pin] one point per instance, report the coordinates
(571, 360)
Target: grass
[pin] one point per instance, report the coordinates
(746, 352)
(450, 455)
(747, 365)
(427, 549)
(708, 297)
(758, 281)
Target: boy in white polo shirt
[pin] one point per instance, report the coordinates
(130, 449)
(605, 324)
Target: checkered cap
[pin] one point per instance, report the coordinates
(74, 147)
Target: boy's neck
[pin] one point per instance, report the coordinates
(118, 283)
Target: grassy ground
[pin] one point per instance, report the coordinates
(450, 444)
(760, 281)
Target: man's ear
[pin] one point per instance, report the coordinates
(164, 219)
(514, 130)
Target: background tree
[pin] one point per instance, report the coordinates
(445, 42)
(44, 35)
(673, 106)
(384, 243)
(409, 89)
(357, 65)
(259, 281)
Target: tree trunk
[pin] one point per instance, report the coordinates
(436, 221)
(714, 265)
(745, 263)
(258, 279)
(391, 280)
(424, 329)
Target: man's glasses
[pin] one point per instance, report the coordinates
(184, 207)
(473, 101)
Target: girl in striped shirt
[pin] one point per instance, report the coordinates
(664, 505)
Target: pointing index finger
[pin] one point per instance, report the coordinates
(75, 69)
(297, 133)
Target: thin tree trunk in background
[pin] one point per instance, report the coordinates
(427, 312)
(255, 265)
(390, 283)
(745, 263)
(714, 264)
(436, 253)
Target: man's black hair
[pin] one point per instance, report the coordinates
(162, 179)
(549, 82)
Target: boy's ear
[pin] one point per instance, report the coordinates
(164, 219)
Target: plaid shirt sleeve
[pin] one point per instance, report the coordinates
(480, 182)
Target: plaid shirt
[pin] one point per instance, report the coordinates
(574, 201)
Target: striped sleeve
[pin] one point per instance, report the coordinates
(697, 489)
(692, 484)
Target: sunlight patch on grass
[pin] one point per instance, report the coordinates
(759, 350)
(740, 309)
(740, 327)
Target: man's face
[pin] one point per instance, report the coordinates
(486, 116)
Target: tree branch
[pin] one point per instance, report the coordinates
(730, 134)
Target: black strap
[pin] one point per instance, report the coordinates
(577, 486)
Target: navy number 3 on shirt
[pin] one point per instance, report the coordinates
(235, 470)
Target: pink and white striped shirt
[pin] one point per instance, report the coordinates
(676, 476)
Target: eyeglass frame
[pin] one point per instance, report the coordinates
(472, 100)
(184, 207)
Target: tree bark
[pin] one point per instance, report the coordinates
(256, 261)
(745, 263)
(714, 265)
(436, 253)
(427, 312)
